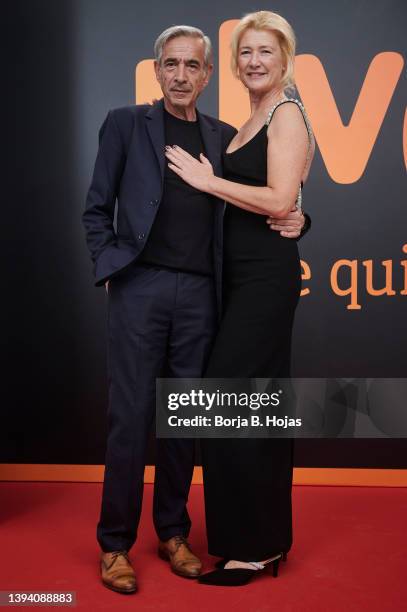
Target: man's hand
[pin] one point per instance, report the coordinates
(291, 226)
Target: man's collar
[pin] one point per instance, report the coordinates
(157, 110)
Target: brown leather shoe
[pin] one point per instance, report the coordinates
(183, 562)
(117, 572)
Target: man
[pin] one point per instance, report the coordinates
(162, 269)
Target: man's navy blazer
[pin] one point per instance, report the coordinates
(129, 168)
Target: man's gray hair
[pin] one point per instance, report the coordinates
(182, 30)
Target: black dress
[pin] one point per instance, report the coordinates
(247, 482)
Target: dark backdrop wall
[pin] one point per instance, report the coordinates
(68, 63)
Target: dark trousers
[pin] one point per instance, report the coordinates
(159, 321)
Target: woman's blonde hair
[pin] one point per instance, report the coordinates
(266, 20)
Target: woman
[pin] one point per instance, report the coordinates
(248, 481)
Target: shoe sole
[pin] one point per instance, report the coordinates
(164, 557)
(122, 591)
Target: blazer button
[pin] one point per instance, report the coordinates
(141, 236)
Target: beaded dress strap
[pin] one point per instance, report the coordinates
(309, 131)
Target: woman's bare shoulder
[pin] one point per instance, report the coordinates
(289, 118)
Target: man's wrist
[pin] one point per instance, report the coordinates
(306, 226)
(307, 222)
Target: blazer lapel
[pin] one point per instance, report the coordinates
(155, 129)
(210, 135)
(212, 141)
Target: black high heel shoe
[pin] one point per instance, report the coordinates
(239, 576)
(222, 562)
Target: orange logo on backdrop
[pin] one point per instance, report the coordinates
(345, 149)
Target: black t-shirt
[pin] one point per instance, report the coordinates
(181, 236)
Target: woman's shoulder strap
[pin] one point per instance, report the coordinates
(300, 106)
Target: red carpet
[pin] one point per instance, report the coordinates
(349, 553)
